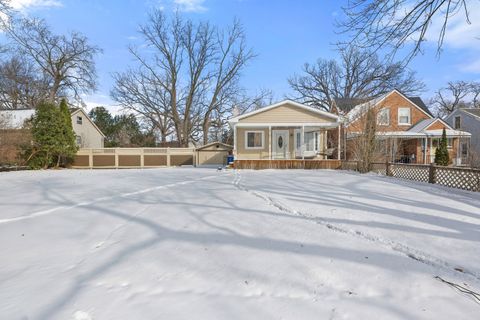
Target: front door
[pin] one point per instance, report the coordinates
(280, 144)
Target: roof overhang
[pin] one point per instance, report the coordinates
(416, 135)
(88, 118)
(281, 103)
(287, 124)
(360, 109)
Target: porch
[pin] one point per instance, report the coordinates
(421, 150)
(287, 142)
(288, 164)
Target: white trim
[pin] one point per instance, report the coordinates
(287, 124)
(254, 148)
(270, 142)
(88, 118)
(286, 144)
(455, 122)
(409, 116)
(372, 103)
(296, 141)
(281, 103)
(449, 127)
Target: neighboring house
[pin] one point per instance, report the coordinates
(13, 134)
(87, 134)
(468, 120)
(405, 129)
(282, 131)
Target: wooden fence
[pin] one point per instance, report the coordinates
(134, 157)
(287, 164)
(454, 177)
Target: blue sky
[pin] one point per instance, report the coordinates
(284, 33)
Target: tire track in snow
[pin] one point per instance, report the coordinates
(411, 253)
(87, 203)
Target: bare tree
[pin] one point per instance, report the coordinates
(231, 56)
(20, 84)
(359, 74)
(190, 68)
(238, 104)
(66, 62)
(362, 142)
(391, 24)
(475, 92)
(136, 90)
(451, 97)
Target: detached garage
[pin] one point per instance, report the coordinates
(213, 154)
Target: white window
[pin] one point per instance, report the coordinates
(79, 120)
(458, 122)
(383, 117)
(311, 141)
(254, 139)
(79, 140)
(404, 116)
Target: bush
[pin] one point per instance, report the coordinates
(441, 154)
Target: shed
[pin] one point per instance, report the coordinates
(214, 153)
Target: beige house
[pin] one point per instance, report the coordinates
(87, 134)
(284, 131)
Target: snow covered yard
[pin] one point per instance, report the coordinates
(201, 244)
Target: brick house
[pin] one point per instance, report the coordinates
(406, 131)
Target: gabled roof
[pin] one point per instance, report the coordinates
(419, 103)
(347, 104)
(423, 125)
(361, 108)
(281, 103)
(74, 111)
(224, 145)
(474, 112)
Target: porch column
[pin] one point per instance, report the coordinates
(270, 142)
(425, 143)
(302, 139)
(431, 147)
(235, 141)
(338, 144)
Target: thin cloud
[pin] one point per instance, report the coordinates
(191, 5)
(26, 4)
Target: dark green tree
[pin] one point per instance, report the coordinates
(441, 154)
(48, 134)
(103, 119)
(69, 146)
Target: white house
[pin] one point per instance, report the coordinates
(88, 135)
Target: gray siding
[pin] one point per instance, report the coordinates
(469, 123)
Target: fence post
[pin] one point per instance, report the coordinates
(90, 158)
(116, 157)
(387, 169)
(142, 157)
(431, 173)
(168, 157)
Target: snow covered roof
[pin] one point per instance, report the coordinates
(474, 112)
(360, 109)
(15, 119)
